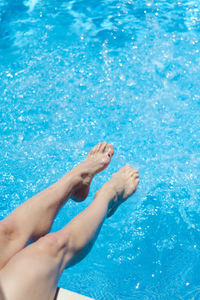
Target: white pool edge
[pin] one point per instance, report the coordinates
(66, 295)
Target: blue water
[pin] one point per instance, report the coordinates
(73, 73)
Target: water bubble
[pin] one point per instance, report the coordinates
(149, 2)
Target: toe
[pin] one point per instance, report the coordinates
(109, 150)
(126, 167)
(102, 147)
(98, 147)
(92, 150)
(136, 175)
(135, 171)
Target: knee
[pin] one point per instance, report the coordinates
(51, 244)
(8, 229)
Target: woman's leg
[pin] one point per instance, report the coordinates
(42, 263)
(34, 218)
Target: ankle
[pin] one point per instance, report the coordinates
(72, 179)
(107, 194)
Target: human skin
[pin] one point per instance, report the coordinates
(42, 262)
(33, 219)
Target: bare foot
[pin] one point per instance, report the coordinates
(97, 160)
(121, 185)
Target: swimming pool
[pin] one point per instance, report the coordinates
(77, 72)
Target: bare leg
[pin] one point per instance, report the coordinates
(42, 263)
(34, 218)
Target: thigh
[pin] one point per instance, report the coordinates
(11, 241)
(1, 294)
(33, 273)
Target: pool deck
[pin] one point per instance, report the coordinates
(67, 295)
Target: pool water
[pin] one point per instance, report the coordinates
(73, 73)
